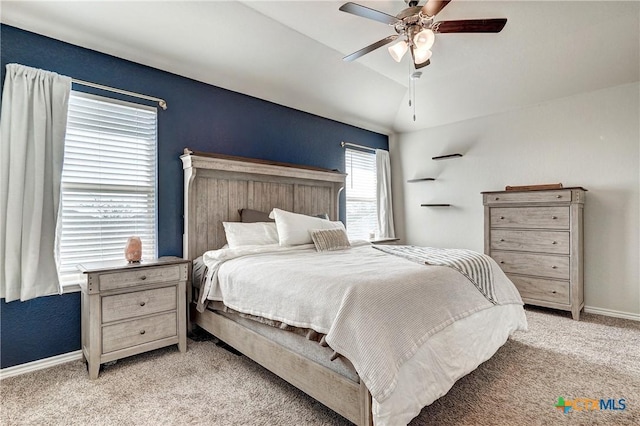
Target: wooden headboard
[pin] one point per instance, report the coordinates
(216, 186)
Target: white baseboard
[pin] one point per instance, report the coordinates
(612, 313)
(40, 364)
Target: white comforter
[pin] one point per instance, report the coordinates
(376, 309)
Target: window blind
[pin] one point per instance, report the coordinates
(360, 193)
(108, 182)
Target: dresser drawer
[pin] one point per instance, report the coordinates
(135, 304)
(530, 217)
(552, 242)
(541, 265)
(136, 332)
(541, 289)
(560, 196)
(117, 280)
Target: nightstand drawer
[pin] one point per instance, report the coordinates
(560, 196)
(136, 332)
(541, 265)
(530, 217)
(541, 289)
(552, 242)
(117, 280)
(139, 303)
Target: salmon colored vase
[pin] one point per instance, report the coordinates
(133, 250)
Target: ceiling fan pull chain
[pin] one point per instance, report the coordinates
(414, 102)
(413, 96)
(412, 90)
(414, 99)
(410, 86)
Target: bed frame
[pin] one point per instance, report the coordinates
(215, 188)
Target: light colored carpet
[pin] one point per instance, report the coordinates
(598, 357)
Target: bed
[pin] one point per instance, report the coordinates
(217, 188)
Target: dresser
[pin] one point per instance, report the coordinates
(537, 239)
(127, 309)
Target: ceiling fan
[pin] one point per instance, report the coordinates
(416, 29)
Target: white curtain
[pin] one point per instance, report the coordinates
(32, 131)
(385, 204)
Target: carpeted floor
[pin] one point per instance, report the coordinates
(598, 357)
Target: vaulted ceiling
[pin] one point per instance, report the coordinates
(290, 52)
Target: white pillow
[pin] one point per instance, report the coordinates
(295, 229)
(241, 234)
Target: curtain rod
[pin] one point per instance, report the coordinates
(161, 102)
(345, 144)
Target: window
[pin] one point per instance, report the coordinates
(361, 194)
(108, 182)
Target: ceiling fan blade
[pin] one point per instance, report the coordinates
(470, 26)
(370, 48)
(369, 13)
(433, 7)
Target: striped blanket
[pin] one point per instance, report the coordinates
(473, 265)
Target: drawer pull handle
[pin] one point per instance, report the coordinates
(502, 261)
(142, 278)
(554, 292)
(558, 196)
(501, 240)
(554, 267)
(553, 242)
(143, 303)
(554, 217)
(501, 217)
(142, 332)
(497, 198)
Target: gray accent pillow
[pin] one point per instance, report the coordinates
(252, 216)
(330, 239)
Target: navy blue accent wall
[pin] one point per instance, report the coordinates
(39, 328)
(199, 116)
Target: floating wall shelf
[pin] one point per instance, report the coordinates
(446, 157)
(420, 179)
(441, 157)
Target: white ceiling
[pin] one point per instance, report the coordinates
(290, 52)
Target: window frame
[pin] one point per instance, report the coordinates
(373, 199)
(75, 287)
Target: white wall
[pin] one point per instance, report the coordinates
(590, 140)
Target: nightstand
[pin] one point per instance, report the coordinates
(130, 308)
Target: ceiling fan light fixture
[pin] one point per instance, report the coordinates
(420, 56)
(398, 50)
(424, 39)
